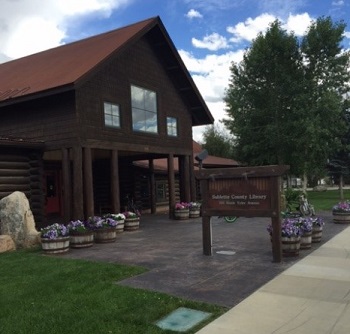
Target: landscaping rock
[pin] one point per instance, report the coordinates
(6, 244)
(17, 220)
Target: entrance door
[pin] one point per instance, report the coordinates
(53, 192)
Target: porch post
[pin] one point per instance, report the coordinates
(67, 190)
(171, 181)
(152, 186)
(115, 193)
(88, 183)
(78, 201)
(192, 180)
(184, 177)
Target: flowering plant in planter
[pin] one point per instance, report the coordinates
(194, 205)
(130, 214)
(115, 216)
(343, 206)
(317, 221)
(97, 222)
(181, 205)
(77, 226)
(305, 225)
(289, 228)
(54, 231)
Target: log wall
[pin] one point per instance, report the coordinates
(22, 170)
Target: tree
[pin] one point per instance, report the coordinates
(285, 100)
(218, 142)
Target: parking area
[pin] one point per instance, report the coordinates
(172, 251)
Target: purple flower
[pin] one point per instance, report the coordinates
(54, 231)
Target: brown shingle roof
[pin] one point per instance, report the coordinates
(62, 65)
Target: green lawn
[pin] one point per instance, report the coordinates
(325, 200)
(41, 294)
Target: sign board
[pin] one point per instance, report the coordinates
(241, 191)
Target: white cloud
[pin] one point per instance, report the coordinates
(192, 13)
(29, 26)
(211, 42)
(248, 30)
(298, 23)
(338, 3)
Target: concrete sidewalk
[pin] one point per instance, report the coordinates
(311, 296)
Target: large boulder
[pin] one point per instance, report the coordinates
(17, 220)
(6, 244)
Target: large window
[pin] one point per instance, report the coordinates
(144, 110)
(112, 116)
(171, 126)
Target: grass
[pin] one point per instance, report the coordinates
(42, 294)
(324, 201)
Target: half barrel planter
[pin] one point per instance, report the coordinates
(182, 214)
(306, 240)
(290, 246)
(317, 233)
(55, 246)
(341, 217)
(131, 224)
(195, 213)
(120, 226)
(105, 235)
(81, 239)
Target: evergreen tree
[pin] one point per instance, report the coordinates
(285, 100)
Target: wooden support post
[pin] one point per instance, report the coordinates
(115, 192)
(171, 181)
(78, 201)
(152, 186)
(276, 219)
(88, 184)
(186, 178)
(192, 181)
(207, 235)
(67, 182)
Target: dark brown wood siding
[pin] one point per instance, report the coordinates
(51, 119)
(139, 66)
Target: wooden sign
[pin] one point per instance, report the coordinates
(242, 191)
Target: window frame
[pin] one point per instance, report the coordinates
(173, 126)
(143, 110)
(110, 113)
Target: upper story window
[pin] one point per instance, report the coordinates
(144, 110)
(171, 126)
(112, 115)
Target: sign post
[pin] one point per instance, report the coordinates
(242, 192)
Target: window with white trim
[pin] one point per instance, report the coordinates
(171, 123)
(112, 115)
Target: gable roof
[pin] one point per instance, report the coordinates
(64, 67)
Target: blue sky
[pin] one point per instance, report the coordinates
(209, 34)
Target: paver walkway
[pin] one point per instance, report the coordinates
(173, 253)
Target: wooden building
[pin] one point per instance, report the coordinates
(97, 106)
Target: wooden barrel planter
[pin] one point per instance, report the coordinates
(120, 226)
(306, 240)
(195, 213)
(105, 235)
(341, 217)
(81, 239)
(317, 233)
(55, 246)
(182, 214)
(290, 246)
(131, 224)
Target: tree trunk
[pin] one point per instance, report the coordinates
(304, 183)
(341, 189)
